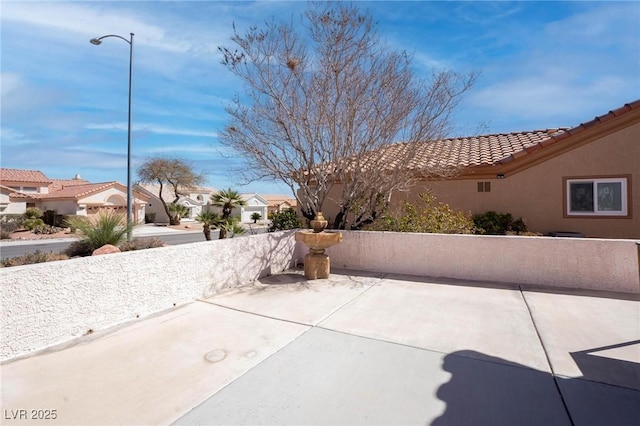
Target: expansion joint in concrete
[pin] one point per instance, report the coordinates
(546, 354)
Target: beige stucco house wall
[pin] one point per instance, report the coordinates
(531, 182)
(9, 204)
(111, 198)
(537, 193)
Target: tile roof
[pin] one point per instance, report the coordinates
(76, 191)
(18, 175)
(58, 184)
(279, 199)
(487, 150)
(470, 151)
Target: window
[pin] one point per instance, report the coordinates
(484, 186)
(597, 196)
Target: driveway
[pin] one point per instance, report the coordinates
(357, 348)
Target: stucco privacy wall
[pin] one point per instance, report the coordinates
(50, 303)
(597, 264)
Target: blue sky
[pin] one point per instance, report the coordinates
(64, 101)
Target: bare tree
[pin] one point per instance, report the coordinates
(174, 172)
(324, 107)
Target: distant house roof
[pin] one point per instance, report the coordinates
(58, 184)
(253, 196)
(17, 175)
(82, 190)
(277, 199)
(77, 191)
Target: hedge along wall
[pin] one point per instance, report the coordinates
(584, 263)
(50, 303)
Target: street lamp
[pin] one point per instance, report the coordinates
(97, 42)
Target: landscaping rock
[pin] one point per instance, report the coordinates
(105, 249)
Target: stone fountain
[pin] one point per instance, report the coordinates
(316, 262)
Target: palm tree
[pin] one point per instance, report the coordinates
(209, 220)
(236, 229)
(177, 211)
(227, 199)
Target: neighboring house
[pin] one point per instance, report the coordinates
(254, 204)
(195, 199)
(31, 188)
(561, 180)
(278, 203)
(12, 202)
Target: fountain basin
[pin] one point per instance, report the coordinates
(316, 262)
(318, 240)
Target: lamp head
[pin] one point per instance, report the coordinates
(95, 41)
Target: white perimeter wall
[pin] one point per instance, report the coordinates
(586, 263)
(50, 303)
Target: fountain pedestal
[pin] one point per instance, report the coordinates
(316, 263)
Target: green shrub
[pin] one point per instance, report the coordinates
(109, 228)
(150, 217)
(69, 219)
(33, 213)
(429, 215)
(35, 257)
(79, 248)
(31, 224)
(10, 224)
(493, 223)
(286, 219)
(32, 218)
(141, 243)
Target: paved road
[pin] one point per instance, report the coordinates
(14, 249)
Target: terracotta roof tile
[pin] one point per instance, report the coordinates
(76, 191)
(18, 175)
(487, 150)
(470, 151)
(275, 199)
(58, 184)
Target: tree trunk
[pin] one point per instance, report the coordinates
(309, 214)
(340, 221)
(223, 234)
(207, 232)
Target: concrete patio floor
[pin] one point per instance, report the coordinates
(357, 348)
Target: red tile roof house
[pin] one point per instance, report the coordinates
(577, 180)
(279, 203)
(21, 189)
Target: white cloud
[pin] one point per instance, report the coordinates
(10, 83)
(218, 151)
(152, 128)
(13, 137)
(92, 20)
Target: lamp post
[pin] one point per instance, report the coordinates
(97, 41)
